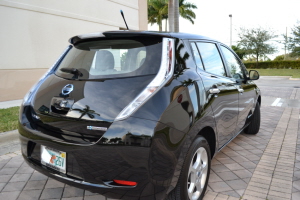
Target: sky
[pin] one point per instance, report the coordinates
(212, 18)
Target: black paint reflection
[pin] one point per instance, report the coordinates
(136, 140)
(224, 104)
(181, 56)
(86, 111)
(181, 53)
(130, 132)
(187, 82)
(44, 109)
(184, 75)
(106, 98)
(91, 103)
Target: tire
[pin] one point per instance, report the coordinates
(195, 171)
(254, 125)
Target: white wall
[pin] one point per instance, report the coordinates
(33, 33)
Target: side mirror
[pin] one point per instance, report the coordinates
(253, 75)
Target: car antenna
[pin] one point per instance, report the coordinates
(121, 11)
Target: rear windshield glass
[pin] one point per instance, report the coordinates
(114, 58)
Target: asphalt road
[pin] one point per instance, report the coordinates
(276, 91)
(278, 81)
(279, 91)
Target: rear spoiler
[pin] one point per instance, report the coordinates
(115, 34)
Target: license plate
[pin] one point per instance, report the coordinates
(53, 158)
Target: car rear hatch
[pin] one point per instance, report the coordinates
(93, 83)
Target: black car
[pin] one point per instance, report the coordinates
(138, 115)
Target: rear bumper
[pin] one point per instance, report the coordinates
(95, 174)
(145, 156)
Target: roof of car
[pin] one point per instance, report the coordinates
(131, 33)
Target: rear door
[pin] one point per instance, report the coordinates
(221, 92)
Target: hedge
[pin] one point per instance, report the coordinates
(282, 64)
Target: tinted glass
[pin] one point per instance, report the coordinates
(233, 64)
(112, 59)
(197, 56)
(211, 58)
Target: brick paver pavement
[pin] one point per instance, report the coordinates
(234, 166)
(262, 166)
(272, 178)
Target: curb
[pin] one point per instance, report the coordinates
(8, 132)
(289, 77)
(9, 104)
(9, 142)
(9, 137)
(275, 76)
(295, 79)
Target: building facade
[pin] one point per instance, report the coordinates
(34, 33)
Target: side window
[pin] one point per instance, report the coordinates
(197, 56)
(233, 64)
(211, 58)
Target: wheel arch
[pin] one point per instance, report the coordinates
(259, 100)
(209, 134)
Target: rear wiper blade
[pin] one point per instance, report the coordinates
(74, 71)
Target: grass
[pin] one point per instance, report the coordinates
(295, 73)
(9, 119)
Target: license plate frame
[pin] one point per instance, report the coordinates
(54, 159)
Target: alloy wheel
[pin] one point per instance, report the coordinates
(197, 173)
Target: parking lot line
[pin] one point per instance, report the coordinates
(276, 102)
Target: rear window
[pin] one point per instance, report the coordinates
(114, 58)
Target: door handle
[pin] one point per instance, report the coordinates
(214, 91)
(240, 90)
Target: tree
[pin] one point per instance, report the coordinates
(159, 10)
(182, 8)
(186, 12)
(255, 42)
(171, 15)
(176, 15)
(294, 45)
(279, 58)
(286, 42)
(285, 57)
(240, 52)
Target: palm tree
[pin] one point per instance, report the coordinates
(86, 111)
(176, 15)
(166, 9)
(171, 15)
(157, 11)
(185, 10)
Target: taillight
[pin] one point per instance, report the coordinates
(163, 76)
